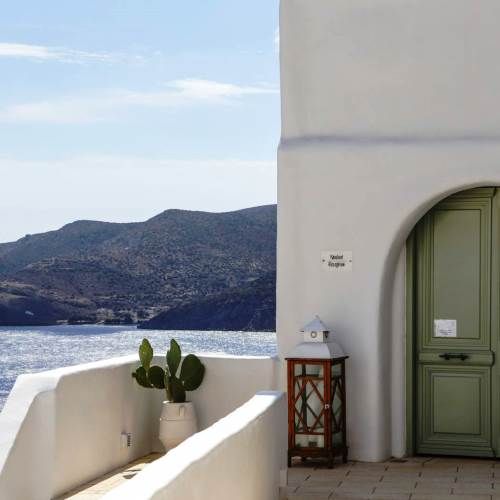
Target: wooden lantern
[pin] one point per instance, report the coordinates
(316, 399)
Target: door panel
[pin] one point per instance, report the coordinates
(453, 273)
(457, 246)
(456, 401)
(455, 410)
(454, 362)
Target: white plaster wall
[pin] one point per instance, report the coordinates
(389, 67)
(93, 406)
(24, 422)
(396, 366)
(372, 215)
(238, 457)
(229, 382)
(387, 107)
(64, 425)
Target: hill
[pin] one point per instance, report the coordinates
(251, 307)
(91, 271)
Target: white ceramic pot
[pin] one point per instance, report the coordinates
(177, 423)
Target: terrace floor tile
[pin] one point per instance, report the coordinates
(415, 478)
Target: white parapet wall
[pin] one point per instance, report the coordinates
(62, 428)
(239, 457)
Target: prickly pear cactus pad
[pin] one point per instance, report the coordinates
(176, 378)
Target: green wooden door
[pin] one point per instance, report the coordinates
(454, 356)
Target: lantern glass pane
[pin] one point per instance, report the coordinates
(314, 370)
(309, 416)
(337, 409)
(309, 441)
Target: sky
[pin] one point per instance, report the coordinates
(118, 110)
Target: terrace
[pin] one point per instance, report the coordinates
(65, 426)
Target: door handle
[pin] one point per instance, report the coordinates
(450, 355)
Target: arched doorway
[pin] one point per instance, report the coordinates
(453, 280)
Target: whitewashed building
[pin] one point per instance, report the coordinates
(388, 108)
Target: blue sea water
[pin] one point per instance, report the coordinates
(35, 349)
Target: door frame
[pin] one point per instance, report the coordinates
(410, 334)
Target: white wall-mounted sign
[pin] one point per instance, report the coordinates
(337, 260)
(445, 328)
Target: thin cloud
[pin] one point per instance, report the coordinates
(124, 188)
(45, 53)
(107, 104)
(277, 40)
(132, 162)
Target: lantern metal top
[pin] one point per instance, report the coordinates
(316, 350)
(316, 325)
(316, 343)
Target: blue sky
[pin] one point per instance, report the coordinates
(118, 110)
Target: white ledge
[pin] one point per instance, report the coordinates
(240, 456)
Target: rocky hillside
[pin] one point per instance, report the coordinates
(251, 307)
(91, 271)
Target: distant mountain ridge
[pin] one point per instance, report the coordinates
(91, 271)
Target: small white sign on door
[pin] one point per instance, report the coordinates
(337, 260)
(445, 328)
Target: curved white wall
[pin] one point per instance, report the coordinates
(388, 107)
(389, 67)
(229, 382)
(239, 457)
(64, 426)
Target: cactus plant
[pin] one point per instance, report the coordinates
(176, 378)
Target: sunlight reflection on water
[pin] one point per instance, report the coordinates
(34, 349)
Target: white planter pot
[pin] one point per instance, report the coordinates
(177, 423)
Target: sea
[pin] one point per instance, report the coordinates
(35, 349)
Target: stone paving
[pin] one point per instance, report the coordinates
(417, 478)
(99, 487)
